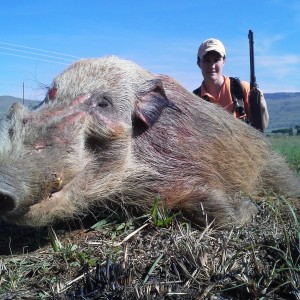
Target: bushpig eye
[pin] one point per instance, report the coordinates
(100, 105)
(104, 101)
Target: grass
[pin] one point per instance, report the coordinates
(135, 259)
(289, 147)
(159, 255)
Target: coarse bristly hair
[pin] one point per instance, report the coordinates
(113, 133)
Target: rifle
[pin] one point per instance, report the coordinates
(255, 94)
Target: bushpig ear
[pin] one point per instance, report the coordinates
(151, 102)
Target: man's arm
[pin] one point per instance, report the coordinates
(264, 111)
(263, 105)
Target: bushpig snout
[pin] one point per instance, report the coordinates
(8, 199)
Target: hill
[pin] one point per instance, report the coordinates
(7, 101)
(284, 108)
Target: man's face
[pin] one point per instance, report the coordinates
(212, 65)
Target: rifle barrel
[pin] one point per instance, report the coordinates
(255, 94)
(253, 83)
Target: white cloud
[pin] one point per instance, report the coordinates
(279, 66)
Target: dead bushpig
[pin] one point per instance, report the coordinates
(111, 132)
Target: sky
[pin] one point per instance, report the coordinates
(39, 39)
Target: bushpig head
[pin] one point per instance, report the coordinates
(58, 160)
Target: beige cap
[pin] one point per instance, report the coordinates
(211, 45)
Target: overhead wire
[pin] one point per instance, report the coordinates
(20, 46)
(35, 58)
(35, 55)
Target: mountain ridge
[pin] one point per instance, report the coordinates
(283, 107)
(280, 95)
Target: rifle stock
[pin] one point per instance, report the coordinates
(255, 94)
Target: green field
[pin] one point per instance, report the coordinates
(289, 147)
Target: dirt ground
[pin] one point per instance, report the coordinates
(133, 258)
